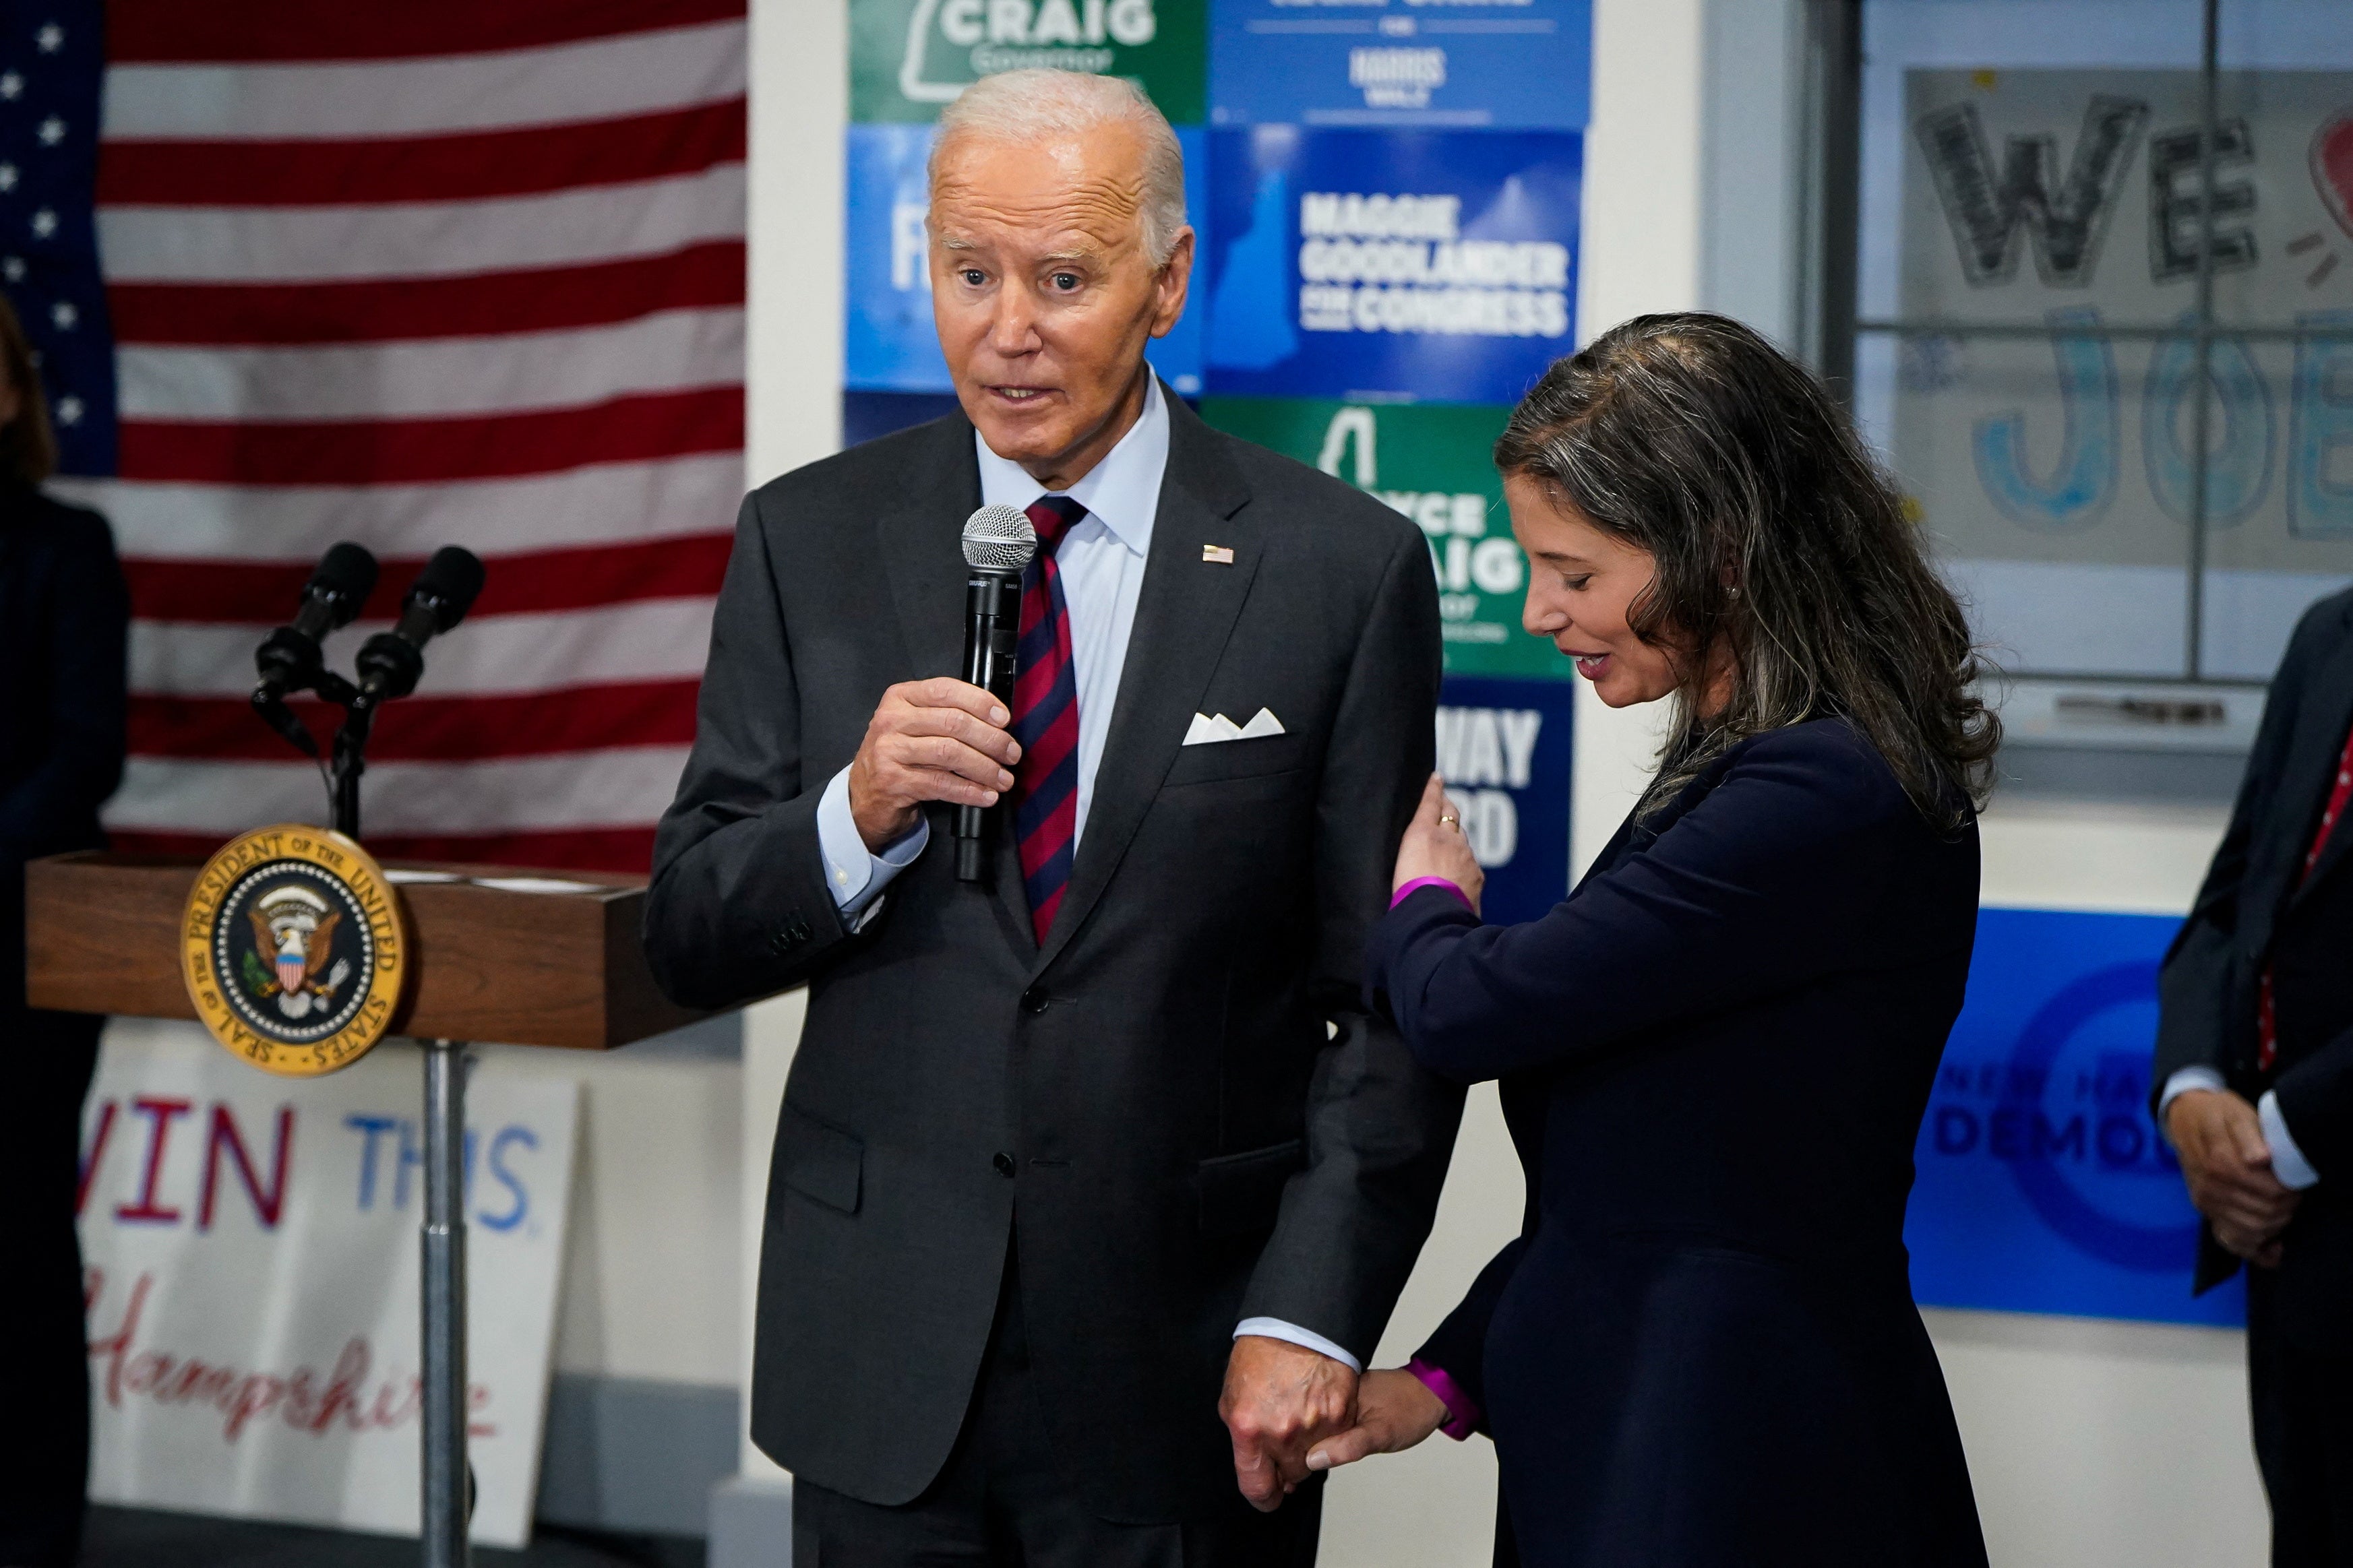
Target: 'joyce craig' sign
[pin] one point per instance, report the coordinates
(1434, 266)
(1429, 461)
(909, 59)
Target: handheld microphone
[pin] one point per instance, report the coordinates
(390, 663)
(288, 659)
(999, 544)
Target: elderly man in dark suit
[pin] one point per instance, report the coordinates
(2255, 1083)
(1078, 1157)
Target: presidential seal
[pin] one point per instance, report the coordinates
(294, 950)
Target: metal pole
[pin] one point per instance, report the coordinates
(447, 1480)
(2201, 415)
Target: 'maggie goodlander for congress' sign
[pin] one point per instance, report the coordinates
(250, 1266)
(1436, 265)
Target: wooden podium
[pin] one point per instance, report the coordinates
(520, 957)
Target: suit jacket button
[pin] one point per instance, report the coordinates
(1005, 1164)
(798, 930)
(1034, 999)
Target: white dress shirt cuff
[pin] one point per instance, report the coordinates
(2183, 1081)
(2288, 1162)
(855, 876)
(1276, 1329)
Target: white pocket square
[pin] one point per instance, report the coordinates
(1208, 728)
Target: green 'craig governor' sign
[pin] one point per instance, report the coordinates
(910, 58)
(1431, 462)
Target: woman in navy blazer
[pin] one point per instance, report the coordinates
(1702, 1352)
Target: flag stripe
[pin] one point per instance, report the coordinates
(239, 245)
(623, 850)
(576, 789)
(467, 167)
(633, 74)
(431, 729)
(244, 31)
(651, 639)
(668, 351)
(533, 299)
(620, 429)
(264, 594)
(602, 504)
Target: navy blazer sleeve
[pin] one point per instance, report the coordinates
(83, 632)
(1750, 893)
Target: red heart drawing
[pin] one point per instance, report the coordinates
(2332, 168)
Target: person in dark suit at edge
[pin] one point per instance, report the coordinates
(2253, 1083)
(1077, 1158)
(65, 620)
(1702, 1352)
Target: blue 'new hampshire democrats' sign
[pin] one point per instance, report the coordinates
(2044, 1186)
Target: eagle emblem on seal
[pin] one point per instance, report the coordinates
(293, 941)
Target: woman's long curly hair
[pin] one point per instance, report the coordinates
(1782, 548)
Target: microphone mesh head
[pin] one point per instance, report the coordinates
(999, 537)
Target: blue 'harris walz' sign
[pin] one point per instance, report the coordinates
(2043, 1184)
(1504, 750)
(1502, 65)
(1431, 266)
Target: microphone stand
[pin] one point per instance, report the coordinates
(351, 749)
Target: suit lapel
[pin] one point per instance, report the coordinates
(920, 546)
(2311, 771)
(1183, 617)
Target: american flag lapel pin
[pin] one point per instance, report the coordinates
(1217, 554)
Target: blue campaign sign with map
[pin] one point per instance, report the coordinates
(2043, 1184)
(1421, 266)
(1512, 65)
(889, 343)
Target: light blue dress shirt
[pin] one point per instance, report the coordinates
(1101, 562)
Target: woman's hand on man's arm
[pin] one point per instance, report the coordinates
(1434, 846)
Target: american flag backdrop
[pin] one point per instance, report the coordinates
(411, 273)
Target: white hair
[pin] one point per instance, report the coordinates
(1030, 105)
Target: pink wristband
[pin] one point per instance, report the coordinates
(1450, 1394)
(1402, 894)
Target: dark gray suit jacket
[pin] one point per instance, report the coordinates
(1179, 1109)
(2258, 906)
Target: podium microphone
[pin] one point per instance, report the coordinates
(288, 659)
(998, 542)
(390, 663)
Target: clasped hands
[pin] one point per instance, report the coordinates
(2228, 1166)
(1291, 1412)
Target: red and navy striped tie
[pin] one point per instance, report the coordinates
(1046, 720)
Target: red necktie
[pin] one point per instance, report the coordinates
(2266, 1012)
(1046, 720)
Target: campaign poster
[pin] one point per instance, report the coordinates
(2056, 472)
(250, 1262)
(1507, 65)
(2043, 1184)
(889, 341)
(1414, 265)
(1429, 461)
(1504, 750)
(909, 59)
